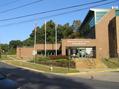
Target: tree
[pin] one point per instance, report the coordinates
(67, 30)
(15, 43)
(75, 35)
(50, 31)
(76, 25)
(5, 47)
(28, 42)
(63, 31)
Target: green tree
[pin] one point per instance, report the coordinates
(15, 43)
(75, 35)
(5, 47)
(63, 31)
(76, 25)
(28, 42)
(67, 30)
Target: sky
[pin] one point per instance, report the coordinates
(11, 30)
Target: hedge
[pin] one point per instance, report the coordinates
(57, 62)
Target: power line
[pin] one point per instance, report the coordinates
(77, 10)
(55, 15)
(61, 13)
(21, 6)
(61, 8)
(25, 21)
(52, 10)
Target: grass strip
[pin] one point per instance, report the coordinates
(41, 67)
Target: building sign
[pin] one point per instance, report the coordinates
(34, 52)
(75, 42)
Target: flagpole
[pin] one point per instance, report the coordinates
(35, 41)
(35, 36)
(45, 38)
(56, 39)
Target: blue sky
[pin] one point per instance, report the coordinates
(22, 31)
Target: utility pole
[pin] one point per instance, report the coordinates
(56, 39)
(45, 38)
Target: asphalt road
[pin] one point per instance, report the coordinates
(33, 80)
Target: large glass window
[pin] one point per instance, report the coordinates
(99, 15)
(117, 12)
(88, 28)
(92, 22)
(83, 52)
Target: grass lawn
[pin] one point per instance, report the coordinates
(4, 57)
(41, 67)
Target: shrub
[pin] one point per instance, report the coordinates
(58, 57)
(57, 62)
(39, 59)
(64, 63)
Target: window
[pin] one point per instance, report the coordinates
(99, 15)
(92, 22)
(117, 12)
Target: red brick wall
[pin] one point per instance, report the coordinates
(102, 37)
(117, 27)
(24, 52)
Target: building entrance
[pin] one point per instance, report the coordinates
(81, 52)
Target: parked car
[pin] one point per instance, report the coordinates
(6, 83)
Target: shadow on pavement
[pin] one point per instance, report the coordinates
(32, 80)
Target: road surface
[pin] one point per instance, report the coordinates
(33, 80)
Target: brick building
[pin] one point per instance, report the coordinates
(100, 38)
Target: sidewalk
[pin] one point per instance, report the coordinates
(92, 71)
(102, 76)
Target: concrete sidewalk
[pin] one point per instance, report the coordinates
(92, 71)
(102, 76)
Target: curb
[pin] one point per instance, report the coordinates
(39, 71)
(98, 71)
(63, 74)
